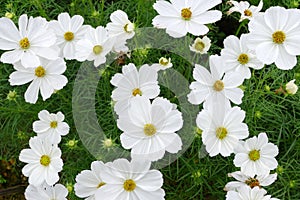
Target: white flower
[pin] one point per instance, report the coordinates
(246, 193)
(31, 41)
(46, 77)
(244, 180)
(201, 45)
(131, 180)
(275, 37)
(256, 156)
(94, 46)
(132, 83)
(46, 192)
(89, 181)
(163, 64)
(149, 129)
(180, 17)
(43, 160)
(291, 87)
(247, 11)
(238, 57)
(68, 31)
(211, 87)
(51, 126)
(222, 128)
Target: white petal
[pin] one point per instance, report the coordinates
(30, 60)
(285, 61)
(11, 56)
(20, 78)
(267, 52)
(31, 94)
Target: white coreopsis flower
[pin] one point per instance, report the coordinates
(291, 87)
(246, 193)
(211, 87)
(131, 180)
(43, 160)
(51, 126)
(238, 57)
(180, 17)
(68, 31)
(46, 192)
(256, 156)
(32, 41)
(149, 129)
(163, 64)
(94, 46)
(222, 128)
(88, 182)
(244, 180)
(247, 11)
(46, 77)
(275, 37)
(133, 82)
(201, 45)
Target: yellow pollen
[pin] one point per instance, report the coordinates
(129, 185)
(100, 184)
(254, 155)
(243, 59)
(136, 91)
(278, 37)
(69, 36)
(40, 71)
(199, 46)
(149, 129)
(45, 160)
(128, 28)
(221, 133)
(252, 182)
(248, 13)
(218, 85)
(163, 61)
(53, 124)
(97, 49)
(24, 43)
(186, 13)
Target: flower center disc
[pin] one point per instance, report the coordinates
(24, 43)
(278, 37)
(97, 49)
(218, 85)
(186, 13)
(40, 71)
(129, 27)
(248, 13)
(100, 184)
(199, 46)
(69, 36)
(136, 91)
(221, 133)
(164, 61)
(243, 59)
(149, 129)
(254, 155)
(53, 124)
(45, 160)
(129, 185)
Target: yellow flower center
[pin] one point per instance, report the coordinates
(40, 71)
(254, 155)
(53, 124)
(45, 160)
(149, 129)
(24, 43)
(129, 27)
(221, 133)
(248, 13)
(136, 91)
(252, 182)
(100, 184)
(218, 85)
(243, 59)
(129, 185)
(278, 37)
(163, 61)
(97, 49)
(186, 13)
(199, 46)
(69, 36)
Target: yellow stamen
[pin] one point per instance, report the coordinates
(129, 185)
(186, 13)
(221, 133)
(45, 160)
(136, 91)
(24, 43)
(218, 85)
(243, 59)
(69, 36)
(149, 129)
(40, 71)
(278, 37)
(53, 124)
(254, 155)
(97, 49)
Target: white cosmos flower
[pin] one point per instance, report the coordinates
(133, 82)
(43, 162)
(94, 46)
(244, 180)
(238, 57)
(180, 17)
(51, 126)
(291, 87)
(132, 181)
(31, 41)
(46, 192)
(45, 77)
(247, 11)
(212, 86)
(256, 156)
(163, 64)
(246, 193)
(88, 182)
(222, 128)
(149, 129)
(275, 37)
(201, 45)
(68, 31)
